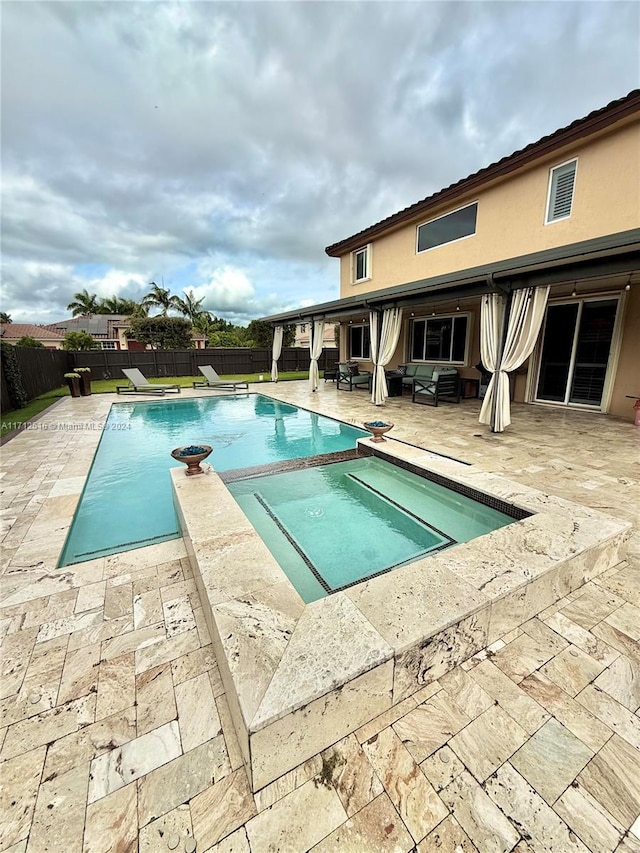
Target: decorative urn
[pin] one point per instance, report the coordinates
(192, 456)
(377, 429)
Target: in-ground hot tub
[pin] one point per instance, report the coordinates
(300, 677)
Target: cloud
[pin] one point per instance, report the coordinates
(150, 139)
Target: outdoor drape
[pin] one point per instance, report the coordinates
(316, 342)
(278, 333)
(382, 349)
(525, 319)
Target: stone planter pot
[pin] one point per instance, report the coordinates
(378, 429)
(73, 383)
(192, 460)
(85, 384)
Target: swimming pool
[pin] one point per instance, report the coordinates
(127, 501)
(335, 525)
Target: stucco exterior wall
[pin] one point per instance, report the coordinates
(511, 215)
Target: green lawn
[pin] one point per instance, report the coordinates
(12, 420)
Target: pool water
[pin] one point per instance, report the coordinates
(127, 501)
(332, 526)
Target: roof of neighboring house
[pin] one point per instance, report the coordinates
(15, 331)
(596, 121)
(100, 326)
(96, 325)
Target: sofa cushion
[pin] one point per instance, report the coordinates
(425, 371)
(411, 369)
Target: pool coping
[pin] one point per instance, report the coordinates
(384, 639)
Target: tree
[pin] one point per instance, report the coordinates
(161, 332)
(189, 307)
(120, 305)
(84, 304)
(28, 341)
(260, 334)
(79, 341)
(5, 318)
(160, 297)
(289, 336)
(229, 338)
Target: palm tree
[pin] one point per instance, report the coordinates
(160, 297)
(119, 305)
(84, 304)
(189, 306)
(204, 323)
(5, 318)
(109, 305)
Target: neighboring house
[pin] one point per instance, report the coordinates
(303, 333)
(12, 332)
(106, 329)
(109, 330)
(564, 212)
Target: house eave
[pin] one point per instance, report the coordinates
(607, 255)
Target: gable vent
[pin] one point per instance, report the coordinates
(561, 196)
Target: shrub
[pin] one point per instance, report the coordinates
(13, 375)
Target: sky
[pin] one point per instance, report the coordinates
(219, 147)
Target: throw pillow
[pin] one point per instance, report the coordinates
(401, 369)
(353, 369)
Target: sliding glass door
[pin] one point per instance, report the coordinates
(576, 345)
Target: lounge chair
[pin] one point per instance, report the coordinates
(212, 380)
(139, 385)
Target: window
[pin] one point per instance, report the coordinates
(440, 339)
(561, 182)
(108, 345)
(303, 328)
(359, 342)
(445, 229)
(361, 264)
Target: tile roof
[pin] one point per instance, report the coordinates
(14, 331)
(97, 325)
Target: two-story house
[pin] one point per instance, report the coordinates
(559, 218)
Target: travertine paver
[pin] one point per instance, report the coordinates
(103, 659)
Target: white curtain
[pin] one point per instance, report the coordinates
(278, 333)
(316, 343)
(383, 348)
(525, 319)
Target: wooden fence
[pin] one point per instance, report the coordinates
(108, 364)
(43, 369)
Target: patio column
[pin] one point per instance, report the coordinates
(316, 343)
(278, 334)
(384, 335)
(523, 322)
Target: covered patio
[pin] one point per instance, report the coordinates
(503, 312)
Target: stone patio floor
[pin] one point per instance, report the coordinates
(115, 733)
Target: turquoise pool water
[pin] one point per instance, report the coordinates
(332, 526)
(127, 500)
